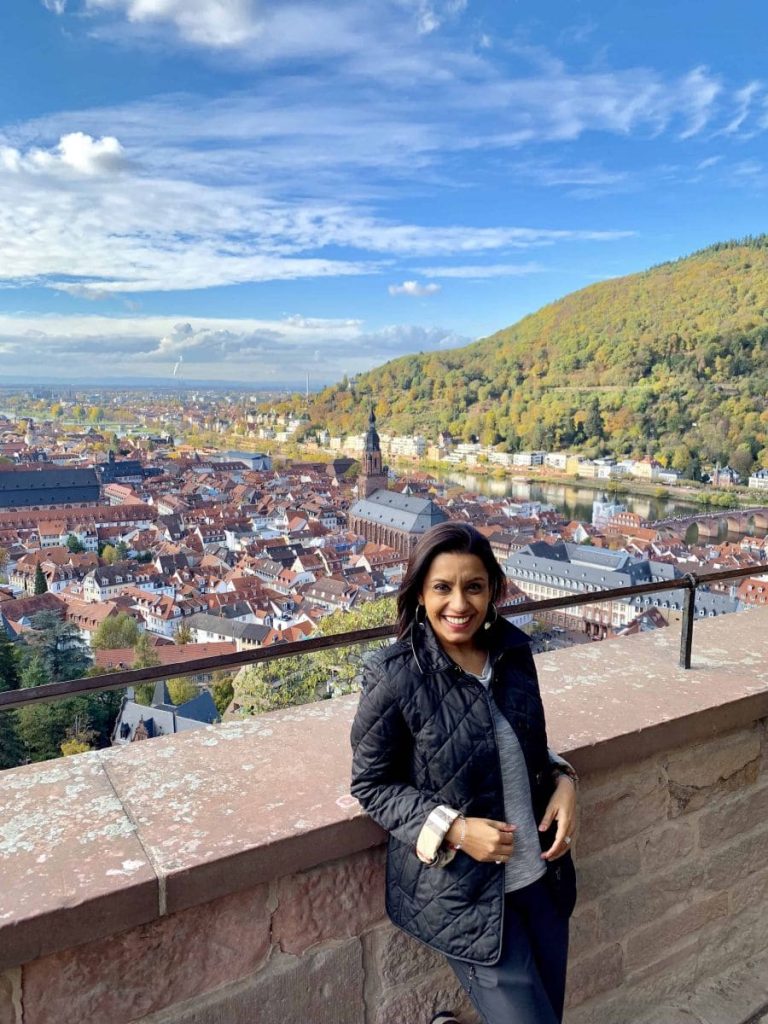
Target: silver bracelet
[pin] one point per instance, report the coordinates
(463, 836)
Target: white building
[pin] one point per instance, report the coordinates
(529, 458)
(556, 460)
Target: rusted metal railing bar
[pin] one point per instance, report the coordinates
(686, 631)
(154, 673)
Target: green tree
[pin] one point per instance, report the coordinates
(181, 690)
(183, 634)
(60, 646)
(222, 691)
(34, 671)
(742, 460)
(300, 680)
(43, 728)
(11, 746)
(144, 656)
(115, 632)
(41, 584)
(9, 667)
(109, 554)
(75, 545)
(74, 746)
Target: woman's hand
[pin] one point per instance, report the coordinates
(562, 809)
(484, 839)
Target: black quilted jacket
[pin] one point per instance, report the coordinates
(424, 736)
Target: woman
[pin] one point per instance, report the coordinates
(451, 758)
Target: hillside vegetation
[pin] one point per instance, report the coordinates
(670, 362)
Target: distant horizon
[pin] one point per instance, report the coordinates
(10, 384)
(250, 189)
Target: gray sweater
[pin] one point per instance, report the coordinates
(525, 865)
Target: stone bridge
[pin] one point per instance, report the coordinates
(739, 520)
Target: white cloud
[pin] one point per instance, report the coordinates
(743, 101)
(413, 288)
(215, 23)
(56, 6)
(75, 152)
(78, 347)
(69, 220)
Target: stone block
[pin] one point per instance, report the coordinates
(324, 987)
(704, 764)
(601, 971)
(139, 971)
(583, 929)
(333, 901)
(10, 996)
(416, 1003)
(648, 899)
(676, 970)
(733, 816)
(652, 943)
(72, 867)
(607, 869)
(723, 764)
(737, 860)
(735, 941)
(750, 892)
(667, 845)
(737, 995)
(393, 958)
(621, 809)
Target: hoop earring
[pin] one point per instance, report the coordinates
(490, 622)
(423, 619)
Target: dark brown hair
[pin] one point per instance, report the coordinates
(451, 537)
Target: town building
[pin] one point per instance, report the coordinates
(759, 481)
(27, 488)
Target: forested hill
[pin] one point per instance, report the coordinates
(671, 361)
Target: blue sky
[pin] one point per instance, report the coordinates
(250, 190)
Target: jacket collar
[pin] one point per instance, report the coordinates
(430, 656)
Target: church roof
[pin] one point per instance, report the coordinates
(400, 511)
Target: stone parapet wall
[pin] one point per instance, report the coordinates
(226, 877)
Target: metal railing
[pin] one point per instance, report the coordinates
(119, 680)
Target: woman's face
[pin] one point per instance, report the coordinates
(456, 595)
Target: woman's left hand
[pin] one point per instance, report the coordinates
(562, 809)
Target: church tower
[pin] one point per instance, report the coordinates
(373, 476)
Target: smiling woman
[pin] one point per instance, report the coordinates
(451, 758)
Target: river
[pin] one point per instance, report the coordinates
(573, 501)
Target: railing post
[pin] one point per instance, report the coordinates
(689, 605)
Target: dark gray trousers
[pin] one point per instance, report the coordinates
(527, 985)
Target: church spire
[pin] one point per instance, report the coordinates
(372, 443)
(373, 476)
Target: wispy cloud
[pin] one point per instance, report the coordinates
(83, 219)
(480, 272)
(743, 100)
(413, 288)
